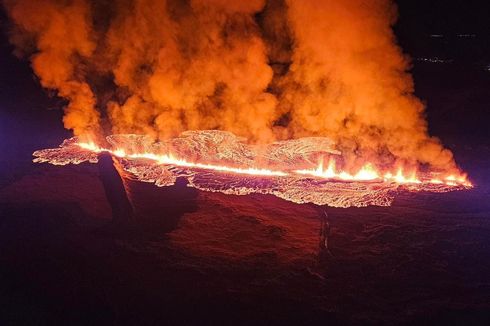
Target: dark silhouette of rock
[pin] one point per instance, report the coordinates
(160, 209)
(122, 210)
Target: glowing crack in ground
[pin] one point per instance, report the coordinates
(221, 162)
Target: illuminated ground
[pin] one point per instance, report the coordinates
(248, 259)
(245, 258)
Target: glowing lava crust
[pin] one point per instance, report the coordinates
(219, 161)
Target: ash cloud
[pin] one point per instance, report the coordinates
(265, 70)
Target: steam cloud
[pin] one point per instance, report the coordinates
(261, 69)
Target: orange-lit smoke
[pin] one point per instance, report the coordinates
(63, 37)
(190, 65)
(261, 69)
(348, 80)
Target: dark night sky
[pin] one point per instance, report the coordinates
(443, 16)
(419, 19)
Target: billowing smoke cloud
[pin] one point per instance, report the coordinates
(198, 64)
(348, 81)
(261, 69)
(62, 35)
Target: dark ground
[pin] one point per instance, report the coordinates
(218, 259)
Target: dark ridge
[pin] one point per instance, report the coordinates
(122, 210)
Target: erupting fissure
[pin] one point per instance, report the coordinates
(169, 159)
(293, 77)
(294, 170)
(367, 172)
(266, 70)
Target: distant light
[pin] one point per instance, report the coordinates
(434, 60)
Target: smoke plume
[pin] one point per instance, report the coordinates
(63, 39)
(265, 70)
(348, 80)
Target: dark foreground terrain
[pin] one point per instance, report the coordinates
(215, 259)
(210, 258)
(220, 259)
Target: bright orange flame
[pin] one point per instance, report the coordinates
(400, 177)
(368, 172)
(171, 160)
(436, 181)
(91, 147)
(460, 179)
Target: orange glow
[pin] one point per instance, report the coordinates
(400, 177)
(436, 181)
(368, 172)
(171, 160)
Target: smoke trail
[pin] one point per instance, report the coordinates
(261, 69)
(62, 35)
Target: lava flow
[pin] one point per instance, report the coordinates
(367, 173)
(169, 159)
(222, 162)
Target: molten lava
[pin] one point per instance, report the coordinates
(293, 170)
(367, 172)
(171, 160)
